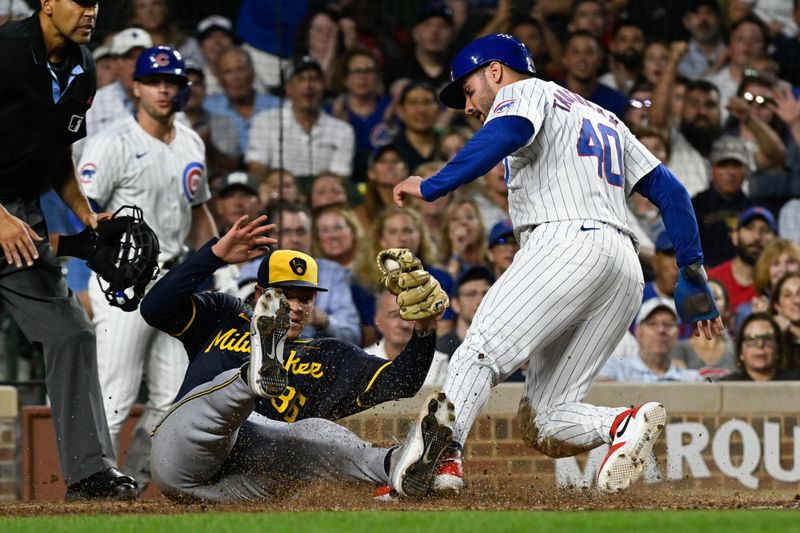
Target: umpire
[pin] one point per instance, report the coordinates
(47, 82)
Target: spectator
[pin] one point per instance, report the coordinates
(776, 15)
(760, 347)
(583, 57)
(105, 65)
(217, 131)
(785, 306)
(753, 119)
(269, 31)
(715, 358)
(747, 42)
(657, 334)
(502, 247)
(468, 293)
(396, 333)
(327, 189)
(300, 136)
(669, 92)
(323, 41)
(214, 34)
(700, 126)
(491, 196)
(637, 110)
(655, 62)
(646, 214)
(239, 100)
(451, 143)
(720, 205)
(542, 43)
(154, 17)
(279, 187)
(706, 51)
(417, 108)
(336, 234)
(335, 313)
(589, 16)
(362, 104)
(665, 270)
(789, 220)
(432, 35)
(14, 10)
(786, 52)
(781, 256)
(625, 53)
(464, 243)
(116, 100)
(236, 195)
(386, 168)
(433, 212)
(755, 229)
(394, 227)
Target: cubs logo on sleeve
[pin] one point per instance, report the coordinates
(87, 173)
(192, 179)
(504, 106)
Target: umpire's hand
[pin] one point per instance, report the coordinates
(16, 238)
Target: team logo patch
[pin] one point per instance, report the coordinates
(504, 106)
(192, 179)
(161, 59)
(87, 173)
(298, 265)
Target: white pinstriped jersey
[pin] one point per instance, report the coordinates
(580, 164)
(124, 165)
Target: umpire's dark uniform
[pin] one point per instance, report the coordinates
(42, 112)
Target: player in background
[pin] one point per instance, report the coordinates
(253, 416)
(151, 161)
(575, 285)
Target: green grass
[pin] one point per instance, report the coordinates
(442, 522)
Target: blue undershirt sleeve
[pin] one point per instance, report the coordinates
(661, 187)
(495, 140)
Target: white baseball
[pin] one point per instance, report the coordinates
(391, 265)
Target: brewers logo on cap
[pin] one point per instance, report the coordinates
(288, 268)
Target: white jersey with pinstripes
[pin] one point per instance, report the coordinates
(124, 165)
(580, 163)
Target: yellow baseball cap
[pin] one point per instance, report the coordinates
(288, 268)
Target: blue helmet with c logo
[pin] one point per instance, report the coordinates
(500, 47)
(165, 61)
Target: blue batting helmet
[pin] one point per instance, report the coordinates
(505, 49)
(164, 61)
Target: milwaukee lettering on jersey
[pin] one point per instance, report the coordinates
(294, 366)
(231, 340)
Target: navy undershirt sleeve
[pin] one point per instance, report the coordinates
(661, 187)
(498, 138)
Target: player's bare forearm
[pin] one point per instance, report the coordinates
(203, 227)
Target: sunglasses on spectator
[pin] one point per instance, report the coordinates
(639, 104)
(758, 99)
(759, 340)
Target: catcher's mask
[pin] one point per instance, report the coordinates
(126, 258)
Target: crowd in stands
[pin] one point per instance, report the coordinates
(313, 111)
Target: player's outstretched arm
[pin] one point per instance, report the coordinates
(693, 299)
(498, 138)
(245, 240)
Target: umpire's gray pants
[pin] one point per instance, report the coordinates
(51, 315)
(212, 446)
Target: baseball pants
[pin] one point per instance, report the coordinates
(212, 446)
(127, 348)
(562, 306)
(50, 315)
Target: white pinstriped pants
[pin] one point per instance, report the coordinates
(127, 348)
(562, 307)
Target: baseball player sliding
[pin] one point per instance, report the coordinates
(151, 161)
(576, 283)
(252, 417)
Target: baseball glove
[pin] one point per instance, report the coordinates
(419, 294)
(123, 252)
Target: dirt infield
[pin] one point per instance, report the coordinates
(479, 495)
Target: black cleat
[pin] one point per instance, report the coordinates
(108, 484)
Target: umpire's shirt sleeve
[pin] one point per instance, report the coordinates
(39, 118)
